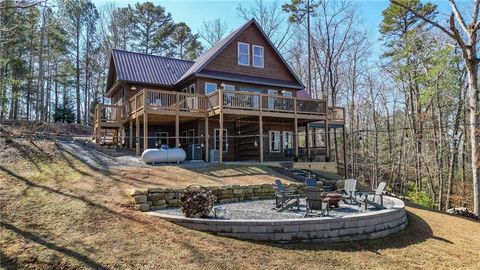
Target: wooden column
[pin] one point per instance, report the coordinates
(345, 153)
(137, 135)
(130, 135)
(295, 130)
(261, 137)
(220, 140)
(177, 130)
(327, 141)
(206, 139)
(145, 131)
(307, 141)
(260, 130)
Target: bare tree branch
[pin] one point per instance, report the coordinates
(22, 6)
(459, 16)
(445, 30)
(476, 7)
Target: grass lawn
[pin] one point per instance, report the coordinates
(58, 212)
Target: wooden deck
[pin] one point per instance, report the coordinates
(226, 102)
(171, 106)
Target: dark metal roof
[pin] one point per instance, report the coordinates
(148, 69)
(163, 71)
(247, 79)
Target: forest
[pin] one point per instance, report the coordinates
(413, 113)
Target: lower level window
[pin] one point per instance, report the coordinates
(162, 138)
(274, 141)
(287, 140)
(216, 145)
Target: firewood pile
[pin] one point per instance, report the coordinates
(462, 211)
(197, 201)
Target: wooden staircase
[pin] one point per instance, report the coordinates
(107, 124)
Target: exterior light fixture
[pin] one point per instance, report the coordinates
(133, 88)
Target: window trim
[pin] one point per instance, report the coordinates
(225, 149)
(159, 138)
(225, 85)
(287, 134)
(238, 54)
(279, 142)
(207, 83)
(253, 56)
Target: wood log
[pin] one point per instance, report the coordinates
(197, 201)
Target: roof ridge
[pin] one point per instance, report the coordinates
(154, 55)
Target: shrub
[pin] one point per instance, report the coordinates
(419, 197)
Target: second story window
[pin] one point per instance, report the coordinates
(243, 54)
(258, 56)
(210, 88)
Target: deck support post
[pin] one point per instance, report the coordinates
(260, 128)
(307, 140)
(130, 135)
(177, 131)
(137, 135)
(145, 131)
(327, 141)
(220, 139)
(206, 139)
(295, 130)
(345, 170)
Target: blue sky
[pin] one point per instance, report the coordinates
(194, 12)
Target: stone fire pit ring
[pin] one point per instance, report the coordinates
(351, 227)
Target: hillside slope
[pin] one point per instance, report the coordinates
(60, 212)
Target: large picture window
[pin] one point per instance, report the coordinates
(258, 56)
(274, 141)
(216, 144)
(210, 88)
(243, 54)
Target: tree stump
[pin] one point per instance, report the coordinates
(197, 201)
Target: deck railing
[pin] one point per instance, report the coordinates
(336, 114)
(159, 100)
(269, 103)
(107, 113)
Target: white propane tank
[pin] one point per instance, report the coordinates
(163, 155)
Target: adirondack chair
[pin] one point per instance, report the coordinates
(349, 190)
(374, 198)
(315, 201)
(310, 182)
(284, 200)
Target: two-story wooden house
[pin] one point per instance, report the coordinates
(238, 101)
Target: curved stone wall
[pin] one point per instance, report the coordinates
(368, 225)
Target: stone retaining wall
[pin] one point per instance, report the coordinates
(151, 199)
(361, 226)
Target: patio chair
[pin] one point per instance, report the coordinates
(315, 201)
(349, 190)
(375, 199)
(283, 199)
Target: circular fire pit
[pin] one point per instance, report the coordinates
(268, 225)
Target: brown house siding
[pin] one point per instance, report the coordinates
(226, 61)
(201, 86)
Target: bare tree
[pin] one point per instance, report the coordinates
(271, 19)
(467, 42)
(213, 31)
